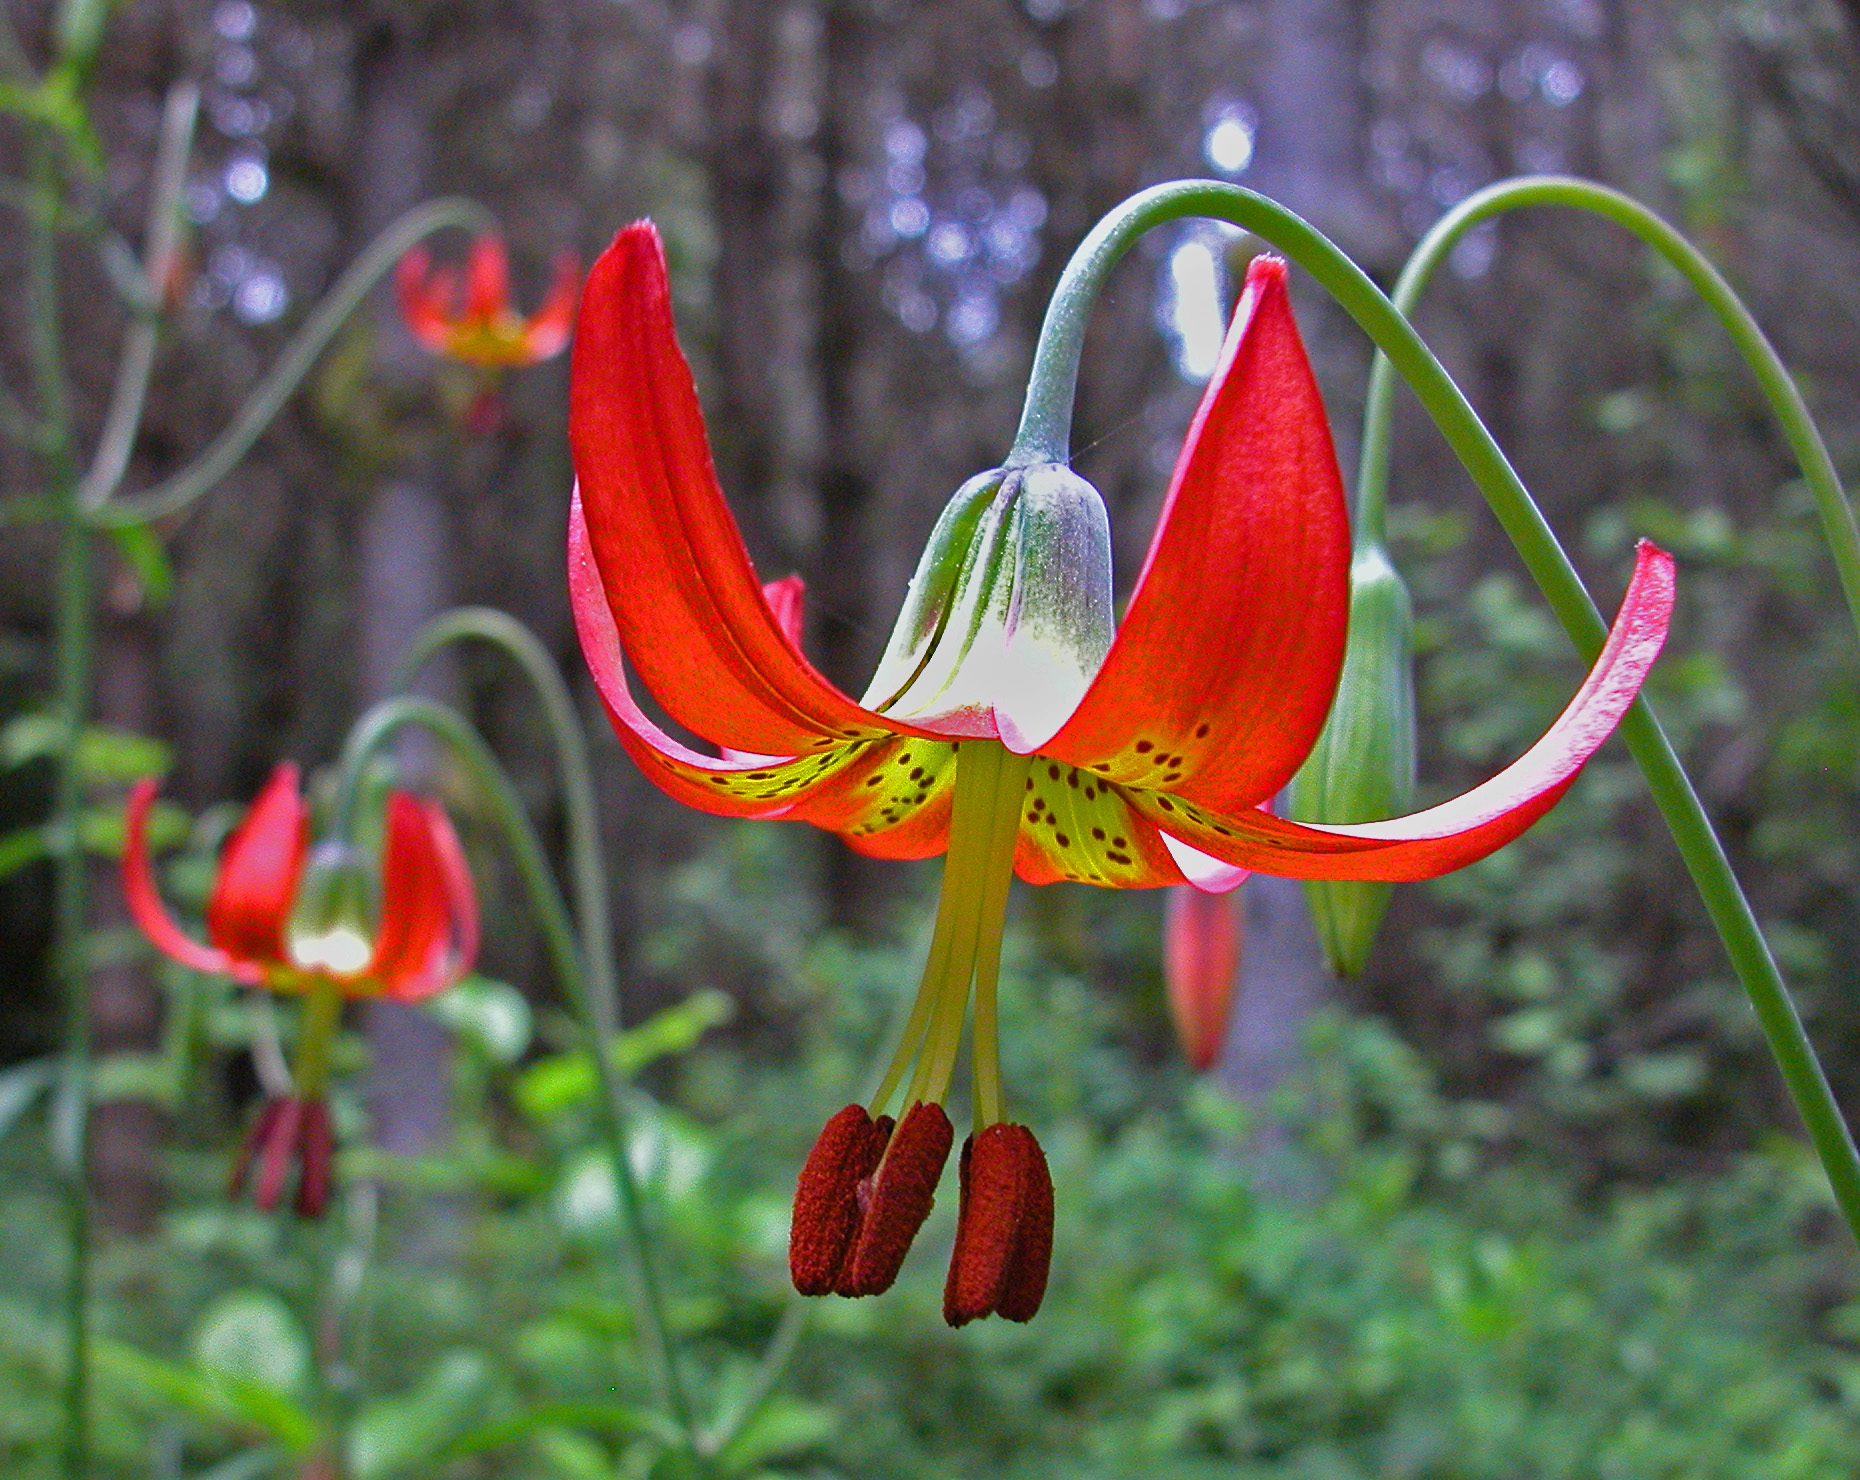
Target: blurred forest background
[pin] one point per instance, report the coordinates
(1526, 1199)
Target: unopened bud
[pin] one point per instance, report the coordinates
(332, 926)
(1362, 768)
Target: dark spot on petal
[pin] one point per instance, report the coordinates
(1098, 833)
(1201, 731)
(1064, 841)
(1144, 747)
(1072, 780)
(1165, 804)
(1053, 772)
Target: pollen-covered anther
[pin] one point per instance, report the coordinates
(826, 1199)
(292, 1132)
(1004, 1231)
(900, 1196)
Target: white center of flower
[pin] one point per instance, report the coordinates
(343, 951)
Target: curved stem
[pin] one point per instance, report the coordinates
(137, 360)
(1773, 378)
(371, 734)
(775, 1358)
(1045, 428)
(175, 493)
(577, 774)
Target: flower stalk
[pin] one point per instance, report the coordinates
(1046, 422)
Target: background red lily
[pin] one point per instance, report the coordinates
(427, 936)
(472, 320)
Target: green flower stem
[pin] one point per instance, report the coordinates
(123, 419)
(72, 644)
(175, 493)
(1779, 388)
(316, 1033)
(588, 873)
(371, 735)
(1044, 436)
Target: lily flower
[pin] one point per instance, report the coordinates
(472, 321)
(292, 919)
(1013, 724)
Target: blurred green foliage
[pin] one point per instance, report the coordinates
(1374, 1280)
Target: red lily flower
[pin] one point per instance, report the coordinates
(1007, 723)
(264, 932)
(472, 321)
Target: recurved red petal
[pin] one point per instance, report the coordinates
(487, 278)
(145, 905)
(251, 902)
(429, 914)
(426, 312)
(741, 786)
(1453, 834)
(1222, 670)
(685, 601)
(546, 334)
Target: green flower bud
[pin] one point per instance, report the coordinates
(332, 925)
(1362, 768)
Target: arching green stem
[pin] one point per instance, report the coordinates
(175, 493)
(372, 733)
(1044, 435)
(577, 776)
(1773, 378)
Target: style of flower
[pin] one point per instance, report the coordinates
(1012, 721)
(1202, 939)
(293, 919)
(472, 320)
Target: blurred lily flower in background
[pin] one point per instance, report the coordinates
(471, 320)
(323, 924)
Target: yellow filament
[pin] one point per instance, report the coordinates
(966, 943)
(1005, 828)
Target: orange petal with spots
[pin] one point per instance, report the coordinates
(1222, 671)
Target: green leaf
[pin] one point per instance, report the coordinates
(106, 754)
(253, 1338)
(22, 846)
(563, 1081)
(80, 30)
(20, 1085)
(490, 1015)
(393, 1435)
(604, 1418)
(783, 1426)
(143, 552)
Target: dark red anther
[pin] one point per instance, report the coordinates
(1004, 1230)
(276, 1155)
(257, 1135)
(317, 1144)
(826, 1199)
(1033, 1250)
(288, 1132)
(902, 1192)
